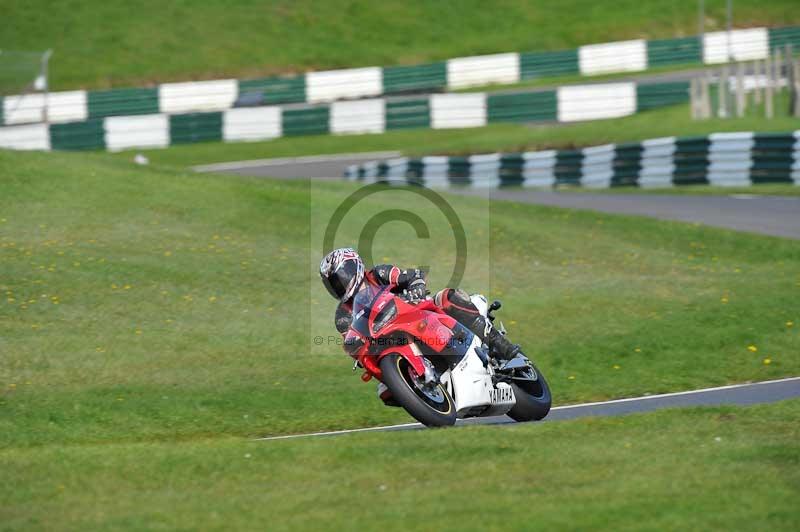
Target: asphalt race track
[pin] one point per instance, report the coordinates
(769, 215)
(736, 394)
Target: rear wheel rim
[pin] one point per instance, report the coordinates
(533, 388)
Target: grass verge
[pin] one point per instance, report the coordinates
(149, 304)
(711, 469)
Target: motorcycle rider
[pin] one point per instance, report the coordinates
(343, 274)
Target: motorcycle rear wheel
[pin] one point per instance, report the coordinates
(432, 407)
(533, 399)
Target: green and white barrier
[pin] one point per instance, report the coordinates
(624, 56)
(722, 159)
(374, 115)
(371, 82)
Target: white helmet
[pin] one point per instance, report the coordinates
(342, 271)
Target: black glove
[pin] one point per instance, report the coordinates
(417, 290)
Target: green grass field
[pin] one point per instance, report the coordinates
(668, 121)
(154, 320)
(700, 469)
(144, 304)
(183, 40)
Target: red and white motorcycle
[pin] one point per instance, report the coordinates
(434, 367)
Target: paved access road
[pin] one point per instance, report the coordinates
(768, 215)
(737, 394)
(313, 166)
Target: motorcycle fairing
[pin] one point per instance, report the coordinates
(472, 388)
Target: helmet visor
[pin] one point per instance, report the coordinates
(337, 282)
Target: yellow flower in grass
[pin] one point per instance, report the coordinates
(752, 348)
(767, 361)
(789, 323)
(616, 366)
(571, 377)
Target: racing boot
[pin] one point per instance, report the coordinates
(458, 304)
(497, 341)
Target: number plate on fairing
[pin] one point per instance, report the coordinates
(502, 395)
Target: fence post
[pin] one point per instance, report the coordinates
(693, 99)
(790, 78)
(768, 71)
(722, 108)
(757, 81)
(705, 96)
(740, 97)
(796, 92)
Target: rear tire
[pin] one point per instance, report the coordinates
(423, 408)
(533, 399)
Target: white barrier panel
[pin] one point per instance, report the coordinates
(397, 168)
(332, 85)
(657, 163)
(730, 159)
(597, 166)
(458, 110)
(23, 108)
(252, 123)
(144, 131)
(484, 170)
(592, 102)
(67, 106)
(482, 70)
(539, 168)
(744, 45)
(660, 147)
(434, 171)
(27, 137)
(796, 164)
(622, 56)
(216, 95)
(358, 116)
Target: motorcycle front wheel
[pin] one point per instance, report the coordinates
(533, 397)
(431, 405)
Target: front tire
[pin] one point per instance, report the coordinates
(533, 399)
(432, 407)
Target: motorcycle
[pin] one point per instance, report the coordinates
(435, 368)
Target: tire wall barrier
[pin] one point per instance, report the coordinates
(327, 86)
(368, 115)
(724, 159)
